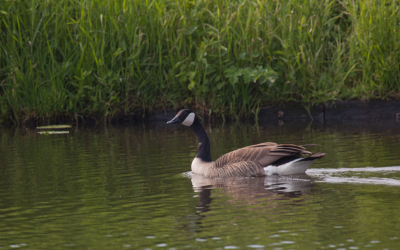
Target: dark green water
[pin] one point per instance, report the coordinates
(123, 188)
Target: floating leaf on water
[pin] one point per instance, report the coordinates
(54, 127)
(53, 132)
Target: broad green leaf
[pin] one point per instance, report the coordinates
(191, 85)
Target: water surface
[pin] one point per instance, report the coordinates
(129, 187)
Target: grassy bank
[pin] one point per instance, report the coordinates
(107, 58)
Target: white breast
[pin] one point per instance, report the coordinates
(200, 167)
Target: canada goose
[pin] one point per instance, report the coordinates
(266, 158)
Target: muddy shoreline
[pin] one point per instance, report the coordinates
(350, 112)
(356, 113)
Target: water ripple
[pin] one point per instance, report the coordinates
(329, 175)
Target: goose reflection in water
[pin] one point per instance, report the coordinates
(250, 190)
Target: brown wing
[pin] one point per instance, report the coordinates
(239, 168)
(261, 154)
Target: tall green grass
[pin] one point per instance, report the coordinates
(106, 58)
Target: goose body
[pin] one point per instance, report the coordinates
(266, 158)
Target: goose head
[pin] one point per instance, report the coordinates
(185, 117)
(188, 118)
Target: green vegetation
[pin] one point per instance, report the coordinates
(107, 58)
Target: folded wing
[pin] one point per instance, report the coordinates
(262, 155)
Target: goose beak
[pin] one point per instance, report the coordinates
(175, 120)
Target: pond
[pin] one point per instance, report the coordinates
(130, 187)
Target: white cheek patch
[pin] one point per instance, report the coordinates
(189, 120)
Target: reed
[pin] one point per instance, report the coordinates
(107, 58)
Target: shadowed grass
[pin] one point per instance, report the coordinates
(107, 58)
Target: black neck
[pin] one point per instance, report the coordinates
(204, 152)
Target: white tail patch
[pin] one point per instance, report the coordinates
(294, 167)
(189, 120)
